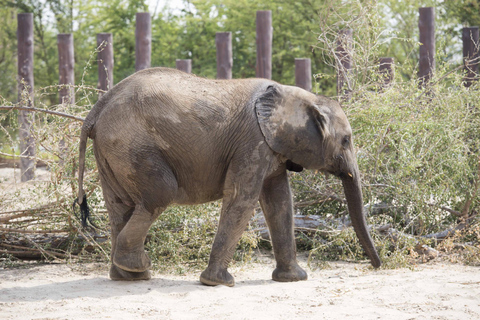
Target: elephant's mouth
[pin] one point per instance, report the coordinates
(344, 175)
(292, 166)
(340, 168)
(340, 174)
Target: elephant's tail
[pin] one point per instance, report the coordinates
(88, 126)
(82, 197)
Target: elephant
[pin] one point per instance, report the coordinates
(163, 137)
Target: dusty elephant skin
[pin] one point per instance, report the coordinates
(165, 137)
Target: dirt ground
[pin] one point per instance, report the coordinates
(343, 291)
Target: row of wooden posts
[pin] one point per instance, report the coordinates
(223, 41)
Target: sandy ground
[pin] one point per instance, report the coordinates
(344, 291)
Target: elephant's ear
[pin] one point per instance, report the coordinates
(292, 125)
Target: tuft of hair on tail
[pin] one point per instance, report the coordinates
(84, 210)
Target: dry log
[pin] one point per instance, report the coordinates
(308, 203)
(449, 210)
(309, 224)
(427, 253)
(23, 252)
(30, 247)
(440, 236)
(24, 255)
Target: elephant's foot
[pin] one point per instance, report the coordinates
(135, 261)
(289, 274)
(215, 277)
(118, 274)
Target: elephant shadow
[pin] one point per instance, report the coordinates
(104, 288)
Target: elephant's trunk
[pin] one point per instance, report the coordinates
(353, 194)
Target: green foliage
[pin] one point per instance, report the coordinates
(8, 35)
(182, 237)
(190, 34)
(467, 11)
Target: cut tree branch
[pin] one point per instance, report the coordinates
(56, 113)
(449, 210)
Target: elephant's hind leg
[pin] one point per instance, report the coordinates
(129, 252)
(157, 186)
(118, 274)
(119, 214)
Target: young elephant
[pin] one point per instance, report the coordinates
(165, 137)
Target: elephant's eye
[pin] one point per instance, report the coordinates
(346, 141)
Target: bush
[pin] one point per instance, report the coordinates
(416, 146)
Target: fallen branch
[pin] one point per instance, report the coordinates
(12, 230)
(21, 214)
(447, 209)
(309, 224)
(387, 230)
(56, 113)
(440, 236)
(45, 253)
(31, 254)
(34, 247)
(308, 203)
(27, 252)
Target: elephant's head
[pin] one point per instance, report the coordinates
(313, 132)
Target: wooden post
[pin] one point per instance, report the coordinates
(426, 25)
(344, 62)
(105, 61)
(264, 44)
(25, 94)
(223, 42)
(143, 41)
(303, 73)
(386, 71)
(471, 57)
(66, 64)
(184, 65)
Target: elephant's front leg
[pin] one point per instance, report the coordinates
(241, 193)
(236, 212)
(276, 202)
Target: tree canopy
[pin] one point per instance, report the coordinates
(190, 34)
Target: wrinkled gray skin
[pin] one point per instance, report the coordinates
(165, 137)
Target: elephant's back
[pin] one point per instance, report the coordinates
(173, 92)
(171, 102)
(187, 93)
